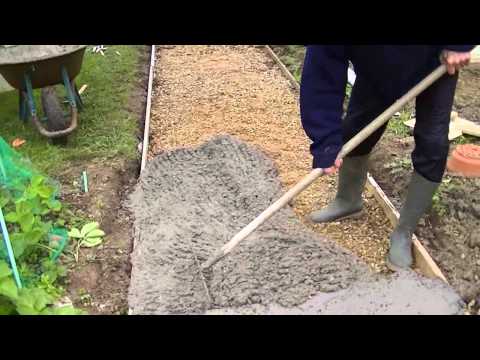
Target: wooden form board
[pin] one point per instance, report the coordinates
(146, 132)
(458, 126)
(282, 66)
(423, 261)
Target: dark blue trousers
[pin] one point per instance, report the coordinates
(433, 109)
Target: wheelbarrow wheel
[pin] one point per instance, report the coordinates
(52, 109)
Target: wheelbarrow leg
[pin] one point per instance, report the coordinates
(22, 106)
(71, 96)
(28, 95)
(78, 98)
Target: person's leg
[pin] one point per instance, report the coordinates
(364, 106)
(433, 109)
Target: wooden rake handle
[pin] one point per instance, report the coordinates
(316, 173)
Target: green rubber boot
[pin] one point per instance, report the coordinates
(351, 183)
(419, 198)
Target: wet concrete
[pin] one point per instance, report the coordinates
(17, 54)
(189, 202)
(406, 293)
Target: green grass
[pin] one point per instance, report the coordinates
(106, 130)
(447, 185)
(396, 124)
(466, 139)
(292, 56)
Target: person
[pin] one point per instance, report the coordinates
(384, 73)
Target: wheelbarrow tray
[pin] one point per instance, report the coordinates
(44, 70)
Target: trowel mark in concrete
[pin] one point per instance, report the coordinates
(195, 200)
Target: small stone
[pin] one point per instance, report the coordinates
(468, 276)
(476, 209)
(462, 256)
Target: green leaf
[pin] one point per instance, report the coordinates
(11, 217)
(54, 205)
(19, 244)
(6, 306)
(89, 227)
(4, 199)
(23, 207)
(37, 180)
(36, 205)
(63, 310)
(91, 242)
(32, 301)
(26, 303)
(26, 222)
(4, 270)
(8, 288)
(34, 235)
(75, 233)
(95, 233)
(30, 193)
(26, 309)
(45, 191)
(42, 299)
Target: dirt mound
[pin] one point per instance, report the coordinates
(189, 202)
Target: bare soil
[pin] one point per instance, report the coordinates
(467, 100)
(99, 281)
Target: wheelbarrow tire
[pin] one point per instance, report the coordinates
(56, 120)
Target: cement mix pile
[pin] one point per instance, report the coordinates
(189, 202)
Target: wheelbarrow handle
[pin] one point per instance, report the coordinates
(60, 133)
(316, 173)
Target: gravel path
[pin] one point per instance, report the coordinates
(204, 91)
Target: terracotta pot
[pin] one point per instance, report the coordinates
(465, 161)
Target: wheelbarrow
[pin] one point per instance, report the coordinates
(28, 67)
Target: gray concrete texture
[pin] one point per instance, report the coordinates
(189, 202)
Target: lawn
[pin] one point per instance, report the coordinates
(106, 128)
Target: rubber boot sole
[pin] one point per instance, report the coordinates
(393, 267)
(353, 216)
